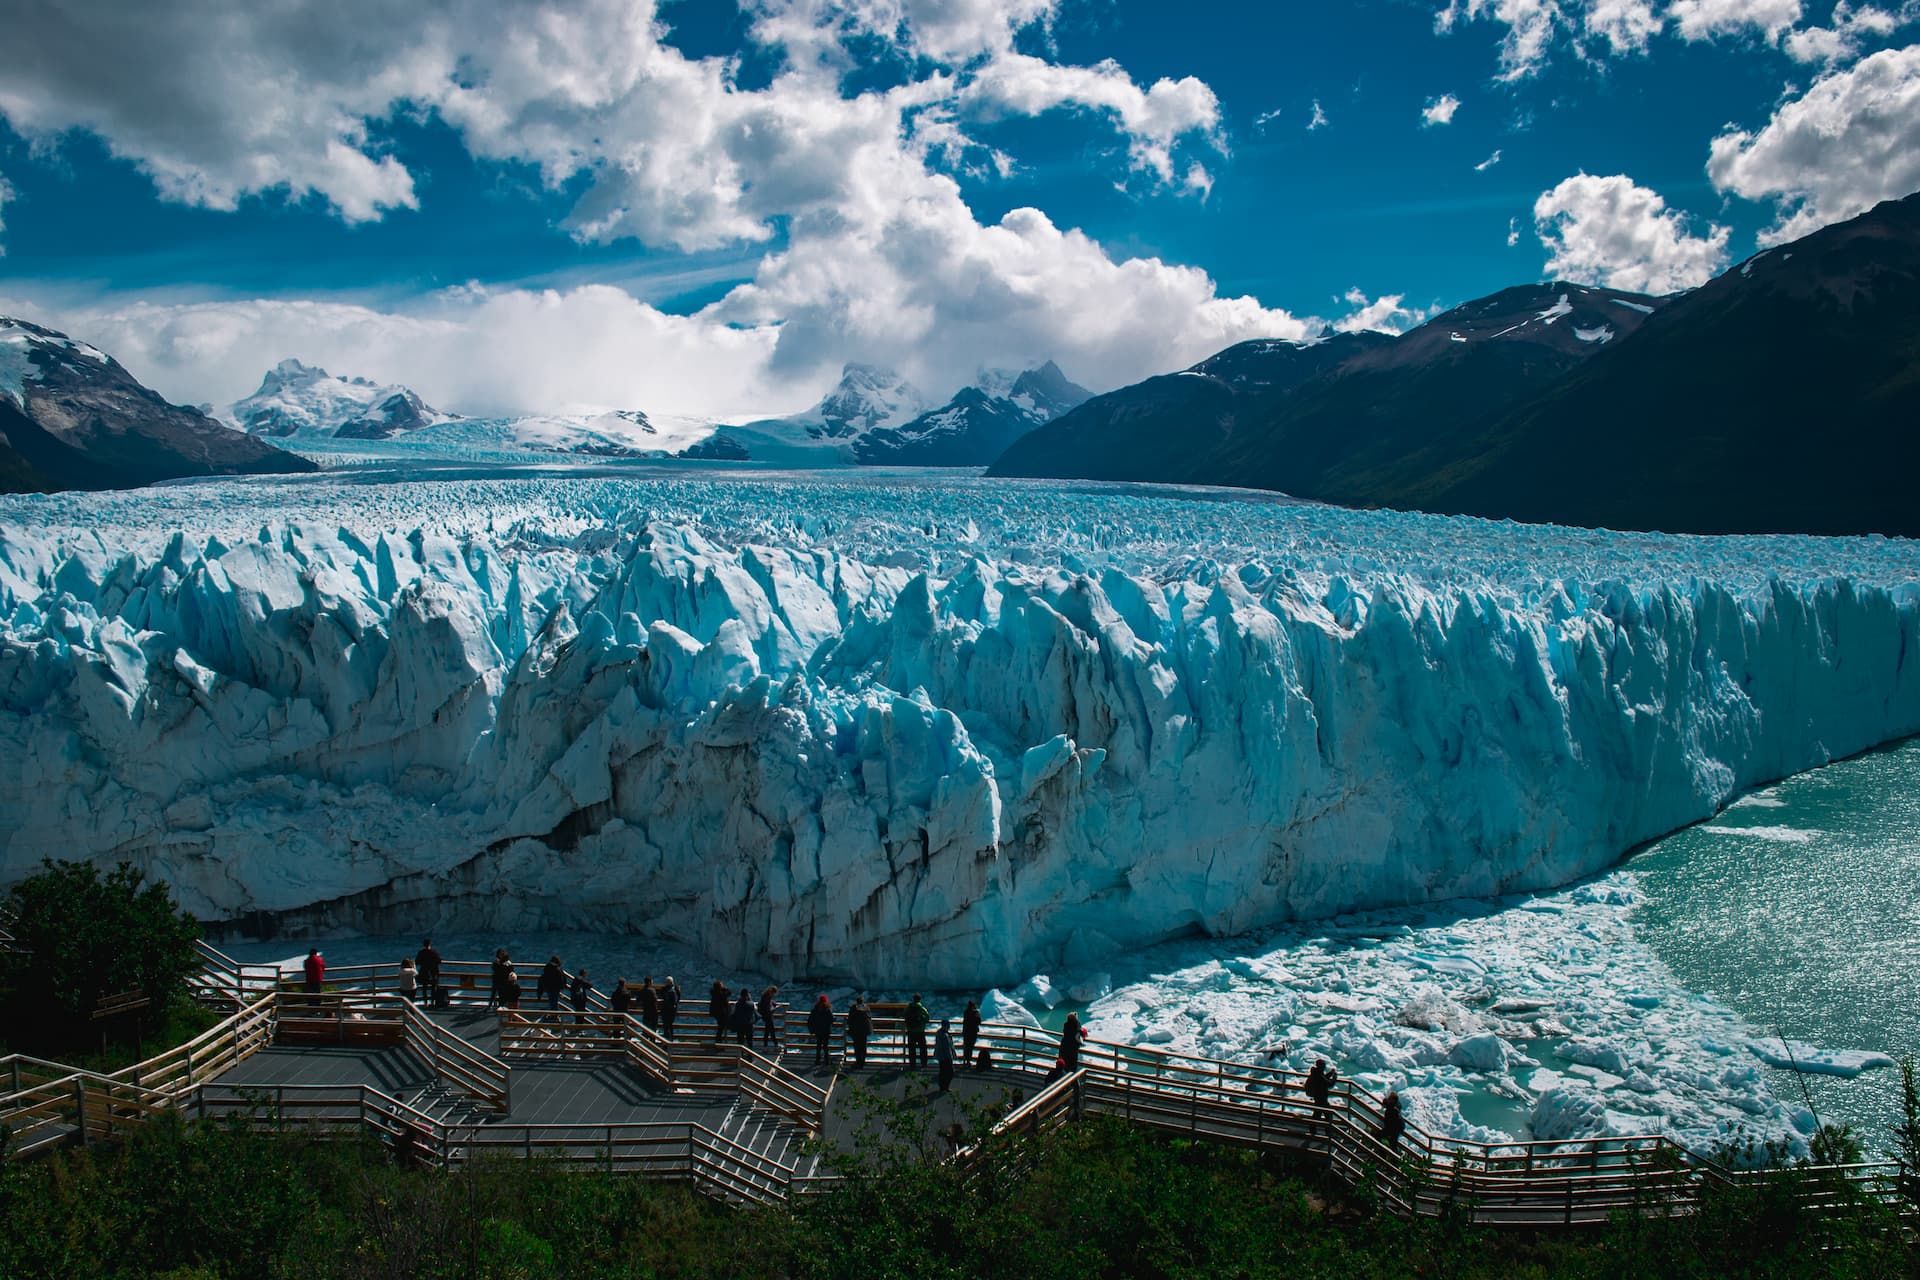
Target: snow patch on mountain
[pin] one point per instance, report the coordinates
(21, 343)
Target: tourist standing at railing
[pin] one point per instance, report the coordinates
(1319, 1088)
(427, 963)
(553, 982)
(717, 1007)
(771, 1029)
(916, 1019)
(669, 1006)
(497, 979)
(859, 1028)
(1072, 1035)
(510, 987)
(582, 988)
(943, 1053)
(409, 980)
(1392, 1123)
(969, 1030)
(820, 1022)
(315, 970)
(622, 998)
(649, 1004)
(743, 1019)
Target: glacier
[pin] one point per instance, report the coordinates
(894, 730)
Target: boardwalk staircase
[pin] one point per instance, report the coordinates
(751, 1154)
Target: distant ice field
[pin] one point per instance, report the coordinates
(938, 521)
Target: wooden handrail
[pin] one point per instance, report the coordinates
(1509, 1181)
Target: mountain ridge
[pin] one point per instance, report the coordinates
(72, 417)
(1779, 397)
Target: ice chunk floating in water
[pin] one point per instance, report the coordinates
(953, 733)
(1795, 1056)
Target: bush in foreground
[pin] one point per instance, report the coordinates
(212, 1201)
(84, 935)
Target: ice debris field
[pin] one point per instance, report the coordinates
(899, 732)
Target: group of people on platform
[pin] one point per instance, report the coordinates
(738, 1013)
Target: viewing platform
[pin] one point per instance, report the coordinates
(761, 1124)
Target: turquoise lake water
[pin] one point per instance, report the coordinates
(1799, 909)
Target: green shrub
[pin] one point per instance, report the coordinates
(86, 935)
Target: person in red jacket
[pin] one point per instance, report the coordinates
(316, 970)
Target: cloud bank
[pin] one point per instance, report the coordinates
(879, 255)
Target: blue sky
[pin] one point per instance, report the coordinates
(459, 205)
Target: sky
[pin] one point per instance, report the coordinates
(708, 207)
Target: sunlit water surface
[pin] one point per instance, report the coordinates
(1799, 909)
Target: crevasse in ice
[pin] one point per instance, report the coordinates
(945, 732)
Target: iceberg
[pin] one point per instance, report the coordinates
(940, 732)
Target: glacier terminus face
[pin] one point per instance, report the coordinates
(894, 730)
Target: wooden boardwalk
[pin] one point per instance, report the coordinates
(453, 1085)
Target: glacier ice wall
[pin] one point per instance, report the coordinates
(943, 732)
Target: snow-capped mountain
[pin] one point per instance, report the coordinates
(978, 424)
(316, 410)
(874, 416)
(867, 398)
(72, 418)
(298, 399)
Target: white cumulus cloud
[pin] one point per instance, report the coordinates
(1385, 314)
(1438, 111)
(1851, 140)
(1593, 30)
(881, 258)
(6, 195)
(1610, 231)
(1713, 19)
(1842, 41)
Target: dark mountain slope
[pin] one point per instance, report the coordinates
(1321, 419)
(1783, 396)
(1171, 427)
(72, 418)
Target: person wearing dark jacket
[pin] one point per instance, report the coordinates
(553, 982)
(669, 1006)
(426, 963)
(1072, 1035)
(916, 1019)
(743, 1019)
(859, 1028)
(1319, 1086)
(622, 999)
(943, 1054)
(497, 982)
(1392, 1123)
(771, 1030)
(820, 1022)
(510, 989)
(717, 1006)
(581, 989)
(969, 1030)
(650, 1004)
